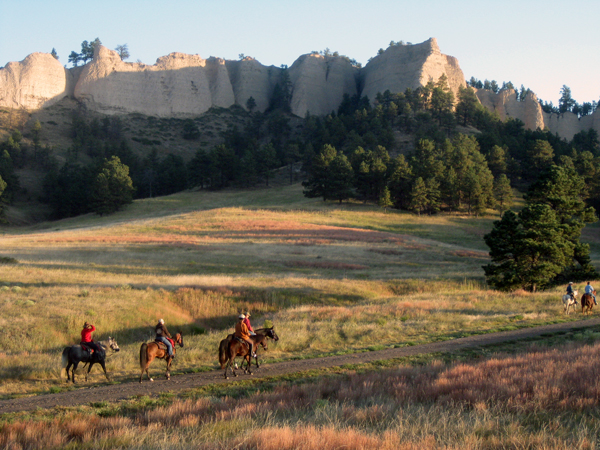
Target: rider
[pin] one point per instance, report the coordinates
(570, 290)
(590, 290)
(242, 332)
(86, 338)
(247, 322)
(161, 336)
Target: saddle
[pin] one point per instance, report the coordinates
(85, 348)
(163, 346)
(240, 340)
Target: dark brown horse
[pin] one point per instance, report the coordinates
(152, 350)
(230, 348)
(587, 302)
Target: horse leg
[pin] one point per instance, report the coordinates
(103, 364)
(168, 374)
(88, 371)
(69, 364)
(75, 364)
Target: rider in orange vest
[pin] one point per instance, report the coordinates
(242, 332)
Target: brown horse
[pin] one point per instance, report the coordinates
(587, 302)
(151, 350)
(229, 349)
(224, 345)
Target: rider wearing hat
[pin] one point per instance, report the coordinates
(589, 289)
(570, 290)
(86, 338)
(242, 332)
(247, 322)
(162, 334)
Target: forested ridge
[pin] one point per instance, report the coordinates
(454, 156)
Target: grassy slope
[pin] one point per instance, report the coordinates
(329, 277)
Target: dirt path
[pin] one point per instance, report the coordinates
(123, 391)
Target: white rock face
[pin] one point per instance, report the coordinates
(529, 111)
(187, 85)
(176, 85)
(410, 66)
(36, 82)
(320, 82)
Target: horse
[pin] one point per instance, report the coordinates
(224, 344)
(587, 301)
(569, 301)
(230, 348)
(73, 355)
(151, 350)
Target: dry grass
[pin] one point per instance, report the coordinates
(476, 405)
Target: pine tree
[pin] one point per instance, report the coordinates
(503, 193)
(418, 196)
(112, 188)
(385, 200)
(528, 251)
(339, 179)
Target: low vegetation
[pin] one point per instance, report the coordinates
(331, 280)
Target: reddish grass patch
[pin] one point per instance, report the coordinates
(470, 254)
(324, 265)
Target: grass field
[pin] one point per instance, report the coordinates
(330, 278)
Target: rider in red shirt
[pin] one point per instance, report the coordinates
(86, 337)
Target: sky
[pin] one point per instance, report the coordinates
(540, 44)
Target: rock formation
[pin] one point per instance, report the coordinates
(181, 85)
(36, 82)
(320, 82)
(529, 111)
(410, 66)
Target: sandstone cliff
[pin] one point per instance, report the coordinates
(36, 82)
(187, 85)
(529, 111)
(180, 85)
(410, 66)
(320, 82)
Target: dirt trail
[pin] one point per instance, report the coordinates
(123, 391)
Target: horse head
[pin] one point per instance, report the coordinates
(271, 333)
(179, 339)
(112, 343)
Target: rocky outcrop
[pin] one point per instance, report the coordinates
(320, 82)
(36, 82)
(529, 111)
(410, 66)
(187, 85)
(178, 84)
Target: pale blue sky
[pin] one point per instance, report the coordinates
(541, 44)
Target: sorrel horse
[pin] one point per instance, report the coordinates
(587, 302)
(152, 350)
(73, 355)
(230, 348)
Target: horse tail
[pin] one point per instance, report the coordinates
(224, 352)
(143, 356)
(65, 357)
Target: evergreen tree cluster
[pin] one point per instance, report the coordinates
(539, 247)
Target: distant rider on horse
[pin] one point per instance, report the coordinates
(570, 290)
(86, 338)
(163, 335)
(242, 332)
(590, 290)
